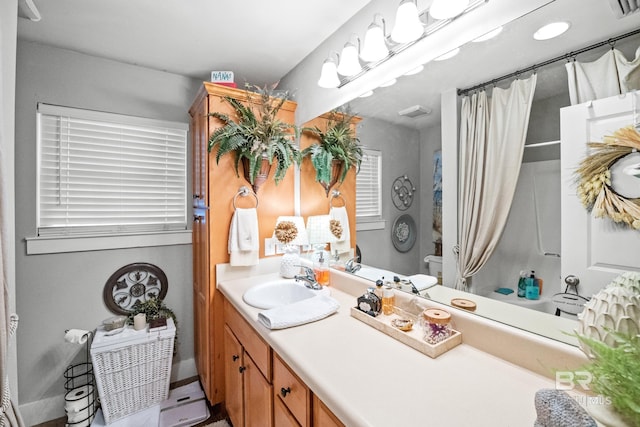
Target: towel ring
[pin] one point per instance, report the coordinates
(244, 191)
(336, 195)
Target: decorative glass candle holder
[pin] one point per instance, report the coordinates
(435, 325)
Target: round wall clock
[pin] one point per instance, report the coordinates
(134, 284)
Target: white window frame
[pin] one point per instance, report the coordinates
(372, 220)
(75, 237)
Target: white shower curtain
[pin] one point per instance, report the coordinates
(9, 415)
(492, 139)
(611, 74)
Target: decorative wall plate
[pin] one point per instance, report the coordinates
(134, 284)
(402, 192)
(403, 233)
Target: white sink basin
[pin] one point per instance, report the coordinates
(277, 293)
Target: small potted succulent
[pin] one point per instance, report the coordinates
(257, 137)
(336, 151)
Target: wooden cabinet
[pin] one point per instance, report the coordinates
(260, 388)
(214, 187)
(322, 416)
(292, 392)
(248, 391)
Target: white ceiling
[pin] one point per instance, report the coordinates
(259, 40)
(592, 21)
(194, 37)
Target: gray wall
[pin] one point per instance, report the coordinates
(431, 141)
(400, 147)
(56, 292)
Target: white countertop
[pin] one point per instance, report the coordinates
(369, 379)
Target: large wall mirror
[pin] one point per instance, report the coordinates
(410, 147)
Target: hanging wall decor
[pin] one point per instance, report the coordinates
(609, 178)
(402, 192)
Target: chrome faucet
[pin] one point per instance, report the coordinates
(309, 278)
(352, 265)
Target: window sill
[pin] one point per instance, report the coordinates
(371, 225)
(53, 245)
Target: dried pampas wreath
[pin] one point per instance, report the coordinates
(594, 178)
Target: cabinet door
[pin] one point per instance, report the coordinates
(322, 416)
(258, 398)
(233, 367)
(281, 415)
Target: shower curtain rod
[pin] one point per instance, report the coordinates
(534, 67)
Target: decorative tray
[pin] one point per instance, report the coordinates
(412, 338)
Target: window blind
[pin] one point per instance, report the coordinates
(103, 173)
(369, 185)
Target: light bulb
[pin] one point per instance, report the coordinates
(408, 26)
(374, 47)
(349, 64)
(329, 75)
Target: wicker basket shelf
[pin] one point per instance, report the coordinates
(132, 369)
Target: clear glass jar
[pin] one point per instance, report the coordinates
(435, 325)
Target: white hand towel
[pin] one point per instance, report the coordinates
(244, 238)
(343, 244)
(299, 313)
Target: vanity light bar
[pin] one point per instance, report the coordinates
(398, 48)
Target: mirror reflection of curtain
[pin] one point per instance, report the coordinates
(492, 135)
(9, 415)
(611, 74)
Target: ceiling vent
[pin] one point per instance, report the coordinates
(623, 8)
(415, 111)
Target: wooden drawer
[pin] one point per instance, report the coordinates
(292, 392)
(252, 342)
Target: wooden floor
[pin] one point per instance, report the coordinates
(217, 412)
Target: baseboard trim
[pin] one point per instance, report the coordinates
(52, 408)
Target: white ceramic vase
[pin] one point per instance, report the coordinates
(290, 262)
(615, 309)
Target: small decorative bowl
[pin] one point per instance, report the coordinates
(113, 323)
(402, 324)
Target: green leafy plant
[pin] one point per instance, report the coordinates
(337, 142)
(615, 372)
(257, 133)
(153, 308)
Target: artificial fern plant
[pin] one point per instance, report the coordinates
(337, 142)
(615, 372)
(257, 133)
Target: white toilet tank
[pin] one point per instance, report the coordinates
(434, 263)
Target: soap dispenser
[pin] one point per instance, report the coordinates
(321, 269)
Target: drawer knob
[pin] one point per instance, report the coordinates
(235, 357)
(285, 391)
(241, 369)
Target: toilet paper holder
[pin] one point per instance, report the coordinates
(80, 390)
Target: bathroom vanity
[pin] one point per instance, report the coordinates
(340, 371)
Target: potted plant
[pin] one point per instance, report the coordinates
(155, 310)
(257, 137)
(336, 151)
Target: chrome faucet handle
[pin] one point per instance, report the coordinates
(308, 271)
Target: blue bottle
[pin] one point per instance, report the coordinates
(532, 291)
